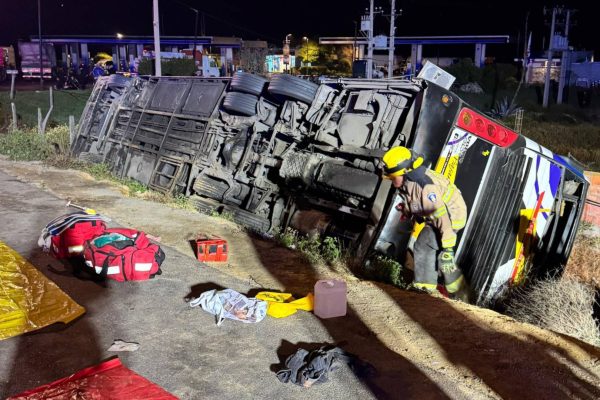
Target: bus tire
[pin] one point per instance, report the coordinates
(240, 103)
(293, 87)
(247, 83)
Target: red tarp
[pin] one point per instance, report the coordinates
(109, 380)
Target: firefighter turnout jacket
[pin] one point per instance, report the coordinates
(438, 202)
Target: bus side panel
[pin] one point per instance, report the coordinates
(435, 123)
(518, 203)
(463, 161)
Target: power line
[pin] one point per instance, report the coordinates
(218, 19)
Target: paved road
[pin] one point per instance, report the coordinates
(423, 347)
(181, 349)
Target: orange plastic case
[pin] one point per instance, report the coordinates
(211, 249)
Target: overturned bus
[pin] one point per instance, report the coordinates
(287, 152)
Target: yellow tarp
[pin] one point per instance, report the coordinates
(29, 300)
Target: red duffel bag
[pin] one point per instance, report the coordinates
(69, 242)
(123, 255)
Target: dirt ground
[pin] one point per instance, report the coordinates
(437, 348)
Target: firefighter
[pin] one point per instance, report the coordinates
(430, 198)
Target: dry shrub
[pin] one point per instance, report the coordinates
(562, 305)
(584, 262)
(58, 140)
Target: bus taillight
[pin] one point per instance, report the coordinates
(485, 128)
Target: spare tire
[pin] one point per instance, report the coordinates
(247, 83)
(240, 103)
(293, 87)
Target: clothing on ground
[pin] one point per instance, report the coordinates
(230, 304)
(306, 368)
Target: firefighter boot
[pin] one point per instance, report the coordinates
(453, 277)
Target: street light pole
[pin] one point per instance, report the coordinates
(354, 44)
(156, 26)
(391, 40)
(286, 51)
(306, 55)
(370, 42)
(549, 61)
(565, 62)
(196, 11)
(40, 39)
(195, 36)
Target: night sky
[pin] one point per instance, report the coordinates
(272, 20)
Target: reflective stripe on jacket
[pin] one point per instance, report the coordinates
(440, 203)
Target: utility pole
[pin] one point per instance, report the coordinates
(369, 42)
(286, 52)
(195, 35)
(391, 44)
(354, 44)
(549, 61)
(391, 40)
(564, 63)
(526, 46)
(155, 24)
(559, 42)
(40, 39)
(196, 12)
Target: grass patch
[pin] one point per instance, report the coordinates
(66, 103)
(53, 149)
(28, 145)
(25, 145)
(384, 269)
(133, 188)
(310, 247)
(579, 139)
(181, 201)
(102, 171)
(316, 250)
(332, 250)
(222, 214)
(178, 201)
(98, 171)
(286, 238)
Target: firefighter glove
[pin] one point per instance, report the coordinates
(446, 261)
(404, 212)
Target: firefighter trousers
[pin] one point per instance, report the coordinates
(427, 271)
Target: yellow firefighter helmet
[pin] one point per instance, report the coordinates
(400, 160)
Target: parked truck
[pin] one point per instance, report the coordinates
(291, 153)
(29, 53)
(207, 65)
